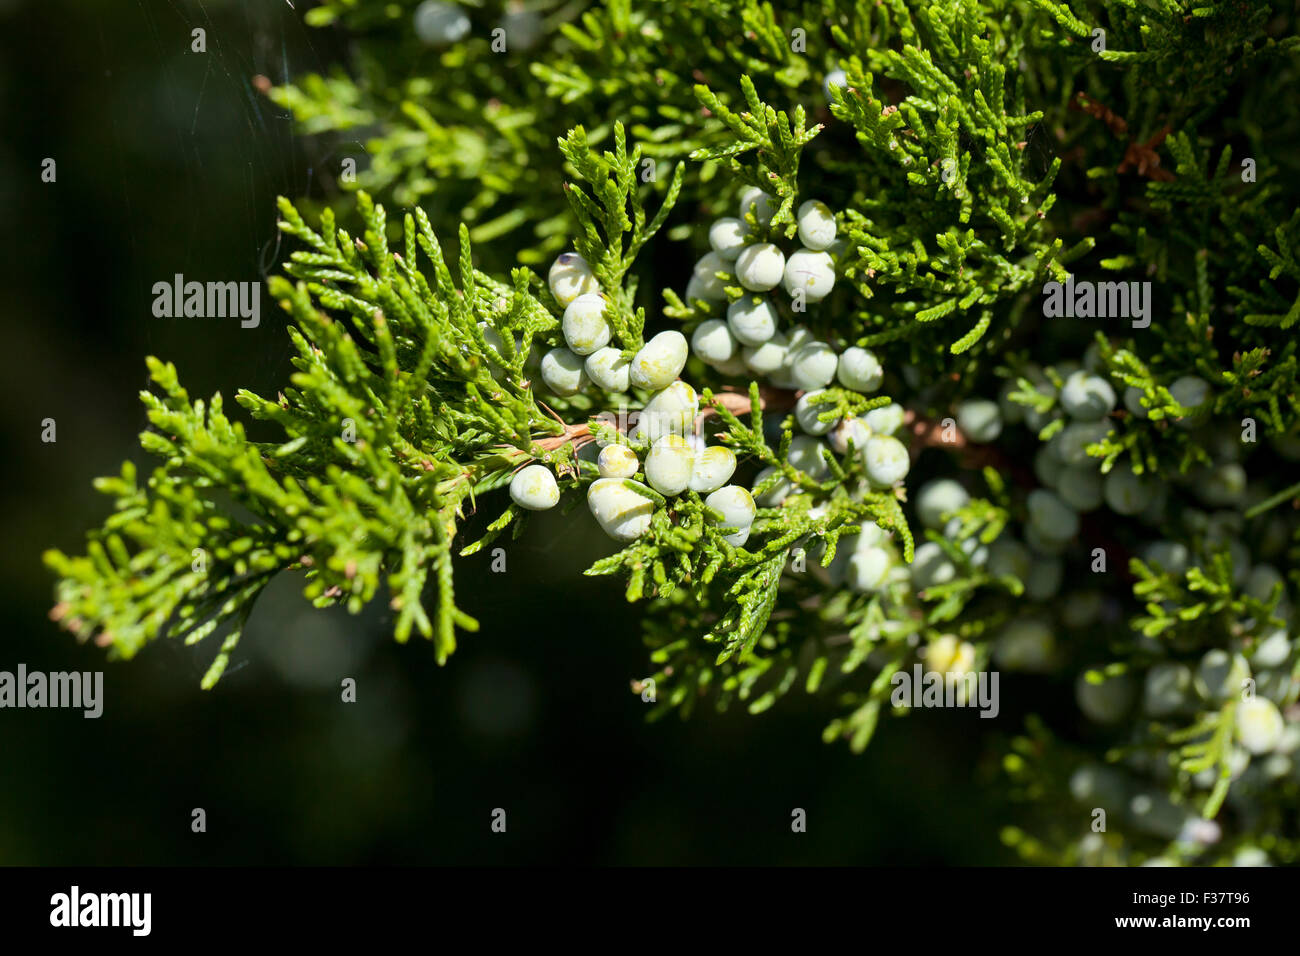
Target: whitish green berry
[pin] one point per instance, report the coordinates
(947, 654)
(752, 319)
(1223, 484)
(734, 366)
(714, 467)
(1259, 725)
(439, 24)
(1287, 446)
(868, 569)
(1273, 650)
(931, 566)
(1154, 813)
(523, 27)
(727, 236)
(809, 272)
(859, 370)
(1053, 518)
(813, 366)
(1263, 580)
(670, 412)
(584, 326)
(1167, 689)
(660, 360)
(617, 461)
(1048, 465)
(760, 267)
(713, 342)
(1087, 398)
(609, 370)
(886, 420)
(1080, 487)
(497, 351)
(1126, 492)
(1044, 579)
(1169, 555)
(760, 204)
(736, 506)
(1041, 544)
(669, 464)
(1026, 644)
(768, 358)
(816, 225)
(563, 372)
(805, 413)
(1008, 557)
(621, 512)
(980, 420)
(570, 277)
(1082, 608)
(1107, 702)
(806, 455)
(533, 487)
(886, 459)
(1095, 784)
(1193, 394)
(855, 430)
(939, 498)
(1013, 413)
(835, 78)
(777, 493)
(1133, 401)
(1250, 856)
(1221, 675)
(705, 283)
(1073, 440)
(798, 337)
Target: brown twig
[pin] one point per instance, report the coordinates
(1140, 157)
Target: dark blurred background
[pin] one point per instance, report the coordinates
(169, 161)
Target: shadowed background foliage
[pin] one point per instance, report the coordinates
(168, 162)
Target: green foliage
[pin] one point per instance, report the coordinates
(977, 150)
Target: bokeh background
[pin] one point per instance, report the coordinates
(169, 161)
